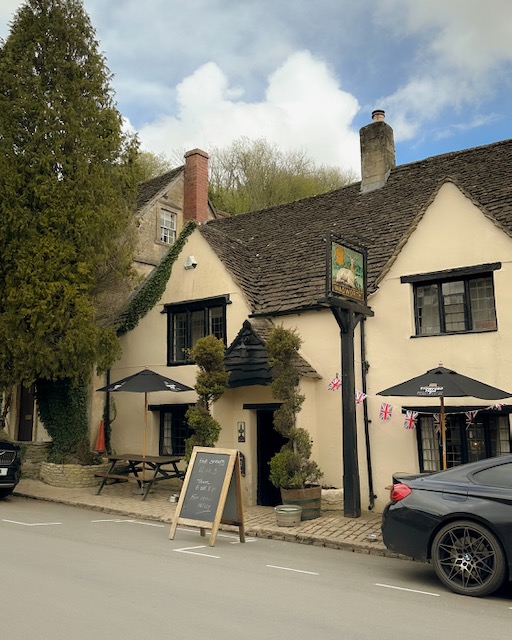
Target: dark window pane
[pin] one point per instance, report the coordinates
(175, 432)
(427, 310)
(217, 322)
(483, 314)
(180, 336)
(453, 303)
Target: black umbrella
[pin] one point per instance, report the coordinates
(145, 381)
(444, 383)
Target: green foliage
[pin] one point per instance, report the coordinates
(206, 429)
(151, 165)
(211, 382)
(153, 287)
(291, 467)
(67, 198)
(62, 407)
(250, 175)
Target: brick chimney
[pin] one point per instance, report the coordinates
(195, 195)
(377, 152)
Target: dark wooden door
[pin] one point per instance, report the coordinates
(269, 441)
(26, 414)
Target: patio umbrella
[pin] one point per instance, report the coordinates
(145, 381)
(444, 383)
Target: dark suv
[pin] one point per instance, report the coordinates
(10, 467)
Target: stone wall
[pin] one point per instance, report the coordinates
(71, 475)
(32, 455)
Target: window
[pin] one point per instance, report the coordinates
(489, 436)
(500, 476)
(167, 226)
(455, 301)
(189, 321)
(174, 429)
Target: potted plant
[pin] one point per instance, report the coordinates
(291, 469)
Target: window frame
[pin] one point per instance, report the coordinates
(171, 231)
(189, 310)
(465, 275)
(430, 460)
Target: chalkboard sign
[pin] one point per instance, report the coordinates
(211, 492)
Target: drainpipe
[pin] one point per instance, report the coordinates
(364, 370)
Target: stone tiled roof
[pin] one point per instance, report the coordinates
(150, 188)
(277, 256)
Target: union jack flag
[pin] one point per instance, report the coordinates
(497, 406)
(360, 396)
(386, 411)
(335, 383)
(470, 417)
(410, 419)
(437, 422)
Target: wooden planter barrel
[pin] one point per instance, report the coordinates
(310, 499)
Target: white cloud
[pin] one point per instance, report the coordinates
(304, 108)
(465, 58)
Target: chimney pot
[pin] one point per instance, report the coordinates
(378, 115)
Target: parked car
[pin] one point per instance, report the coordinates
(10, 467)
(460, 519)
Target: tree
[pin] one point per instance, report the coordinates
(211, 382)
(250, 175)
(67, 200)
(151, 165)
(291, 467)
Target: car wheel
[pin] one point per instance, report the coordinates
(468, 559)
(6, 492)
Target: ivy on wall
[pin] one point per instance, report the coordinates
(153, 287)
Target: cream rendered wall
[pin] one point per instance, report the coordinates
(146, 345)
(452, 233)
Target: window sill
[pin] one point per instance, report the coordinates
(455, 333)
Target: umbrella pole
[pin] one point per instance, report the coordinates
(144, 437)
(443, 432)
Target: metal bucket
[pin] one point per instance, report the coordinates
(288, 515)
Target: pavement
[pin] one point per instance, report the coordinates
(332, 529)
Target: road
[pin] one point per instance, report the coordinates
(75, 574)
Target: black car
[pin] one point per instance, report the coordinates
(10, 467)
(460, 519)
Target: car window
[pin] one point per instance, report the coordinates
(500, 476)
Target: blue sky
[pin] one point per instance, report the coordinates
(306, 75)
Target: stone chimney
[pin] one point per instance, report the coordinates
(195, 190)
(377, 152)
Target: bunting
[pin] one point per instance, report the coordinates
(360, 396)
(470, 417)
(410, 419)
(386, 411)
(335, 383)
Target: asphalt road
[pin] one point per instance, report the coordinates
(74, 574)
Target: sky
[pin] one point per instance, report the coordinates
(306, 75)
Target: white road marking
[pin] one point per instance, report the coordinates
(390, 586)
(32, 524)
(195, 553)
(146, 524)
(311, 573)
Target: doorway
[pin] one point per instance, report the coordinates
(269, 441)
(26, 413)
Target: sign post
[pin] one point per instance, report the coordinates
(211, 492)
(346, 297)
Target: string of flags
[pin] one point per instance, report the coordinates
(411, 417)
(335, 384)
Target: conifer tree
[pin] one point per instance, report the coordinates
(67, 197)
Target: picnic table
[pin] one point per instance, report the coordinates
(144, 470)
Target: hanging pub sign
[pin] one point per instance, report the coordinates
(346, 270)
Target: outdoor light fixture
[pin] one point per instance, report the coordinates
(190, 262)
